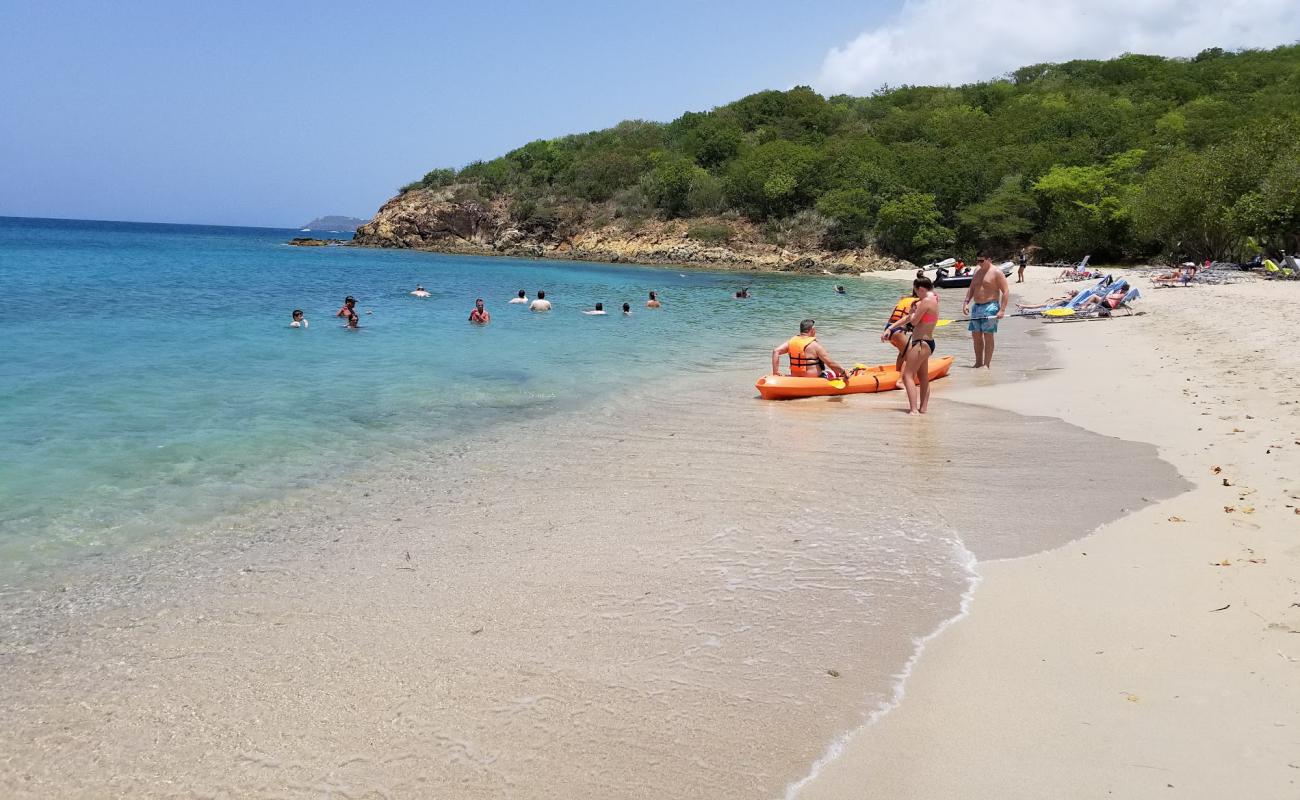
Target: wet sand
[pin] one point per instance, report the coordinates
(684, 592)
(1159, 656)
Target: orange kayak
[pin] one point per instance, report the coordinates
(880, 378)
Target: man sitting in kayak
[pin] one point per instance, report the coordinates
(808, 359)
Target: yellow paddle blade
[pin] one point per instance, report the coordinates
(943, 322)
(860, 366)
(837, 384)
(1059, 312)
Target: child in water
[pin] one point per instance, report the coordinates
(299, 321)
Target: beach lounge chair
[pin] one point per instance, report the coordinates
(1078, 273)
(1103, 287)
(1096, 310)
(1125, 304)
(1187, 274)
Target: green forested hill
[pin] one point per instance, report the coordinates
(1132, 157)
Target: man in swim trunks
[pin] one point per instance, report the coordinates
(808, 359)
(541, 303)
(480, 315)
(653, 302)
(522, 297)
(986, 303)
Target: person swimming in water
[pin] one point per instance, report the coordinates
(541, 303)
(599, 310)
(808, 359)
(923, 316)
(480, 315)
(841, 290)
(627, 309)
(299, 321)
(743, 294)
(420, 292)
(653, 302)
(349, 312)
(522, 297)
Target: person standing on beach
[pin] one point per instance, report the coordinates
(923, 316)
(480, 315)
(808, 359)
(986, 303)
(541, 303)
(522, 297)
(1024, 261)
(653, 302)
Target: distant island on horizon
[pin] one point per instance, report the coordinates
(1128, 159)
(335, 223)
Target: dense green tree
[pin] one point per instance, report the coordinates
(1045, 155)
(1087, 208)
(911, 226)
(1209, 204)
(852, 213)
(669, 182)
(775, 179)
(1003, 220)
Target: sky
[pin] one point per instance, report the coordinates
(272, 113)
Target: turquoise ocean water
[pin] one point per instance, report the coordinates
(150, 381)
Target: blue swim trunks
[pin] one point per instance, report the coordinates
(984, 318)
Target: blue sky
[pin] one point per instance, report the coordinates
(266, 113)
(271, 113)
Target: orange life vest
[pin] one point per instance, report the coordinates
(900, 310)
(799, 363)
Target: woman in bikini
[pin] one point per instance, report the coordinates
(923, 316)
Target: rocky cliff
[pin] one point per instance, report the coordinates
(448, 221)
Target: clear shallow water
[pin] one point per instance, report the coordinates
(561, 556)
(150, 379)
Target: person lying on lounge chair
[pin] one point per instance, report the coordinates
(1186, 273)
(1054, 302)
(1111, 300)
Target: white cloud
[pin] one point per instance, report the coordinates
(959, 41)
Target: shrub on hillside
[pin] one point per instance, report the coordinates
(710, 232)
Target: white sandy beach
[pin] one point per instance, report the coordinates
(1159, 656)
